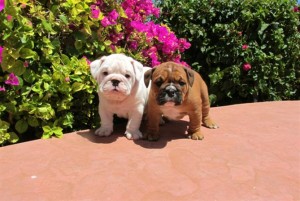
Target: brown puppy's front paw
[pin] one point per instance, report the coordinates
(152, 137)
(210, 124)
(196, 136)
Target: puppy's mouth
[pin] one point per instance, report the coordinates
(169, 98)
(115, 87)
(169, 104)
(115, 90)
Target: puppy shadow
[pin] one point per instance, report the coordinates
(119, 129)
(171, 130)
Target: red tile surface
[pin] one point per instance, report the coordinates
(253, 156)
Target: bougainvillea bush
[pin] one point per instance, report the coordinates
(246, 50)
(45, 49)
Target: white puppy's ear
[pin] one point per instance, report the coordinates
(138, 69)
(95, 66)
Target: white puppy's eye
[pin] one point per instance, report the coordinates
(127, 76)
(105, 73)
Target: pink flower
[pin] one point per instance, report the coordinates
(296, 9)
(113, 47)
(110, 19)
(2, 4)
(244, 47)
(9, 18)
(95, 13)
(240, 33)
(139, 10)
(67, 79)
(183, 44)
(115, 37)
(25, 64)
(12, 80)
(2, 88)
(139, 26)
(133, 45)
(113, 15)
(246, 67)
(105, 22)
(1, 50)
(87, 60)
(185, 64)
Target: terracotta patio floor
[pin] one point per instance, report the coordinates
(253, 156)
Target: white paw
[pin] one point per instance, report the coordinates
(103, 131)
(134, 135)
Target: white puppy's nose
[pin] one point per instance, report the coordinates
(115, 82)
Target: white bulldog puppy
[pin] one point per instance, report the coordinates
(121, 91)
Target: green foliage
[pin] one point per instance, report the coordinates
(55, 91)
(218, 31)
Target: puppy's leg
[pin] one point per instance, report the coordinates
(207, 121)
(194, 131)
(153, 122)
(106, 123)
(133, 125)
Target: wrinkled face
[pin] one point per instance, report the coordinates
(116, 76)
(170, 83)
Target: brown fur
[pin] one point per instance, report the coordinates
(195, 100)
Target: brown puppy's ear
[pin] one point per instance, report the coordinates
(148, 76)
(190, 76)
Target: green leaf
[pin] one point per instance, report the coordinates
(13, 137)
(65, 59)
(32, 121)
(77, 87)
(46, 86)
(21, 126)
(26, 53)
(47, 129)
(87, 29)
(28, 76)
(3, 125)
(63, 18)
(17, 68)
(78, 45)
(10, 8)
(107, 42)
(58, 131)
(47, 26)
(2, 108)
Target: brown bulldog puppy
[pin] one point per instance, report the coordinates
(177, 91)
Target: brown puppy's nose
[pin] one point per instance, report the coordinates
(115, 82)
(171, 93)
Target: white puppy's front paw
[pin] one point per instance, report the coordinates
(103, 131)
(134, 135)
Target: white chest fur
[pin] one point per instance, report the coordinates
(172, 112)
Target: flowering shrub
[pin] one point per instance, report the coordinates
(45, 47)
(246, 50)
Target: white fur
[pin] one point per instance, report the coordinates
(126, 100)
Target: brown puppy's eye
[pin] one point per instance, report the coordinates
(181, 83)
(105, 73)
(127, 76)
(159, 82)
